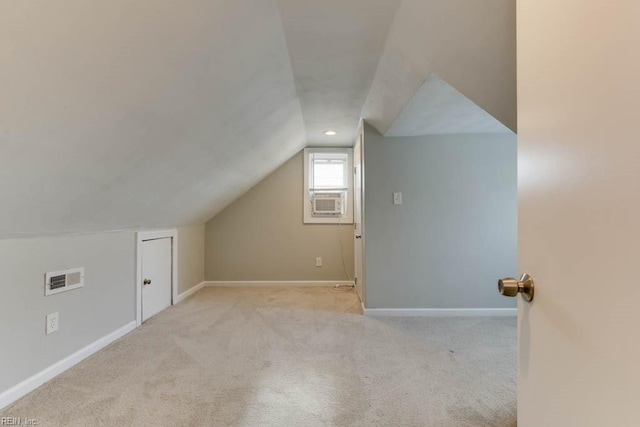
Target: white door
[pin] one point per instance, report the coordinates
(156, 276)
(357, 216)
(579, 212)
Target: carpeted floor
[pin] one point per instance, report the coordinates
(288, 357)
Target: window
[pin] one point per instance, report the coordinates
(328, 183)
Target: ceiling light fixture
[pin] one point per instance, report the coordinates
(330, 132)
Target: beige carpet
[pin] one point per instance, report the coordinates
(288, 357)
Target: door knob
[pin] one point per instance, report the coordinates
(146, 282)
(510, 287)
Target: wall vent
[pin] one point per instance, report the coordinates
(66, 280)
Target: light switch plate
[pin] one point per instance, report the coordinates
(397, 198)
(318, 262)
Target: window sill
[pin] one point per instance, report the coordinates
(315, 220)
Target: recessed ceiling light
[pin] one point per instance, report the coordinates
(330, 132)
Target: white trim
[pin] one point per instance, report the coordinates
(363, 212)
(363, 284)
(265, 283)
(186, 294)
(440, 312)
(16, 392)
(150, 235)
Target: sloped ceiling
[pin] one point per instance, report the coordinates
(335, 47)
(120, 114)
(438, 108)
(469, 44)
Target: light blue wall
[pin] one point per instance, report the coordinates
(106, 303)
(454, 235)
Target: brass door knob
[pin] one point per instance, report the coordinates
(510, 287)
(146, 282)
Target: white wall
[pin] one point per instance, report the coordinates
(454, 235)
(105, 303)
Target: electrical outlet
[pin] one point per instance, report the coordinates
(52, 323)
(318, 262)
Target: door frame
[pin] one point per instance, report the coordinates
(360, 136)
(141, 236)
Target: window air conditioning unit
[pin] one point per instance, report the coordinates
(327, 204)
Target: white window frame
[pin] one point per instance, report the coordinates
(347, 217)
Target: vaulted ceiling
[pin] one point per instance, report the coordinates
(120, 114)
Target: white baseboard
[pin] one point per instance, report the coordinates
(267, 283)
(16, 392)
(440, 312)
(189, 292)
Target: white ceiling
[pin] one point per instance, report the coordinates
(120, 115)
(335, 47)
(470, 44)
(438, 108)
